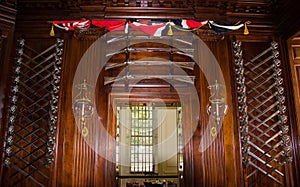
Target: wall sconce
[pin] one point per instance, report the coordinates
(83, 107)
(217, 107)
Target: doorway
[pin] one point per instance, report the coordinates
(149, 144)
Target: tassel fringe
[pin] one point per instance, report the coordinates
(170, 31)
(246, 31)
(52, 31)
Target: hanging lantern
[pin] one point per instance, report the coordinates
(217, 107)
(83, 107)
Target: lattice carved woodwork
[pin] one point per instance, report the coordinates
(33, 114)
(262, 114)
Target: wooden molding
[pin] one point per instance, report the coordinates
(8, 15)
(148, 13)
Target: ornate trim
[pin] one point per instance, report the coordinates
(89, 34)
(209, 35)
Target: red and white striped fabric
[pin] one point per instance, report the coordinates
(191, 24)
(72, 24)
(153, 29)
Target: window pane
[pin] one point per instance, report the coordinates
(141, 139)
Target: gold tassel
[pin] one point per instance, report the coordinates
(246, 31)
(170, 32)
(52, 31)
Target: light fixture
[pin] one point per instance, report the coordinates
(217, 108)
(83, 107)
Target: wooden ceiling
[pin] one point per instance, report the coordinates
(264, 14)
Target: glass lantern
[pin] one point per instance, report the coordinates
(83, 107)
(217, 107)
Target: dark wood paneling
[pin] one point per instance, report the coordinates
(219, 165)
(7, 26)
(293, 71)
(76, 163)
(286, 18)
(76, 157)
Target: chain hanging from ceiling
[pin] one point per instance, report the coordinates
(33, 113)
(263, 122)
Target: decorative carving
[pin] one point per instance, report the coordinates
(209, 35)
(256, 7)
(253, 11)
(238, 6)
(89, 34)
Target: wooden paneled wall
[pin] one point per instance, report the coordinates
(293, 49)
(76, 164)
(7, 26)
(79, 163)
